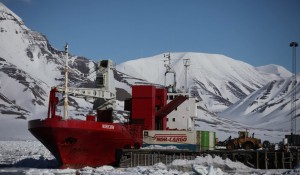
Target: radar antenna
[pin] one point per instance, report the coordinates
(169, 70)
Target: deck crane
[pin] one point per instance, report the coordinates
(105, 88)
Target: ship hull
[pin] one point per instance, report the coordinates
(78, 143)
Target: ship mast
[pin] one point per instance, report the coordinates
(66, 84)
(169, 70)
(186, 63)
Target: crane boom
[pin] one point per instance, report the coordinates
(105, 88)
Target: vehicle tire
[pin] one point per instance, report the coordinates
(266, 144)
(230, 146)
(248, 146)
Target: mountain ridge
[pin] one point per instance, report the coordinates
(274, 69)
(217, 73)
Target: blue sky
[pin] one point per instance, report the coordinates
(257, 32)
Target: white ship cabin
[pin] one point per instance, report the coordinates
(182, 118)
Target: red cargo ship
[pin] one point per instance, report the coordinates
(95, 141)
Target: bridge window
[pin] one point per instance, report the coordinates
(100, 80)
(104, 63)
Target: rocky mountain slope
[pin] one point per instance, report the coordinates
(269, 107)
(29, 66)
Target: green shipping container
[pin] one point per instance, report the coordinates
(207, 140)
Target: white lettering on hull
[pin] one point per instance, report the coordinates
(105, 126)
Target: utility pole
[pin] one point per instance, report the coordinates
(294, 93)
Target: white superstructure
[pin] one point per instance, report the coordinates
(182, 118)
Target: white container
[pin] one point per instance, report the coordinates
(192, 140)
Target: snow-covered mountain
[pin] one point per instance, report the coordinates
(216, 80)
(29, 66)
(269, 107)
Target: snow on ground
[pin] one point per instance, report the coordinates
(32, 158)
(25, 154)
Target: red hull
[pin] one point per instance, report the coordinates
(78, 143)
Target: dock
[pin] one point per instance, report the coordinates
(258, 159)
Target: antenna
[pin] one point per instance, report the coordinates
(167, 65)
(294, 93)
(187, 63)
(167, 55)
(66, 84)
